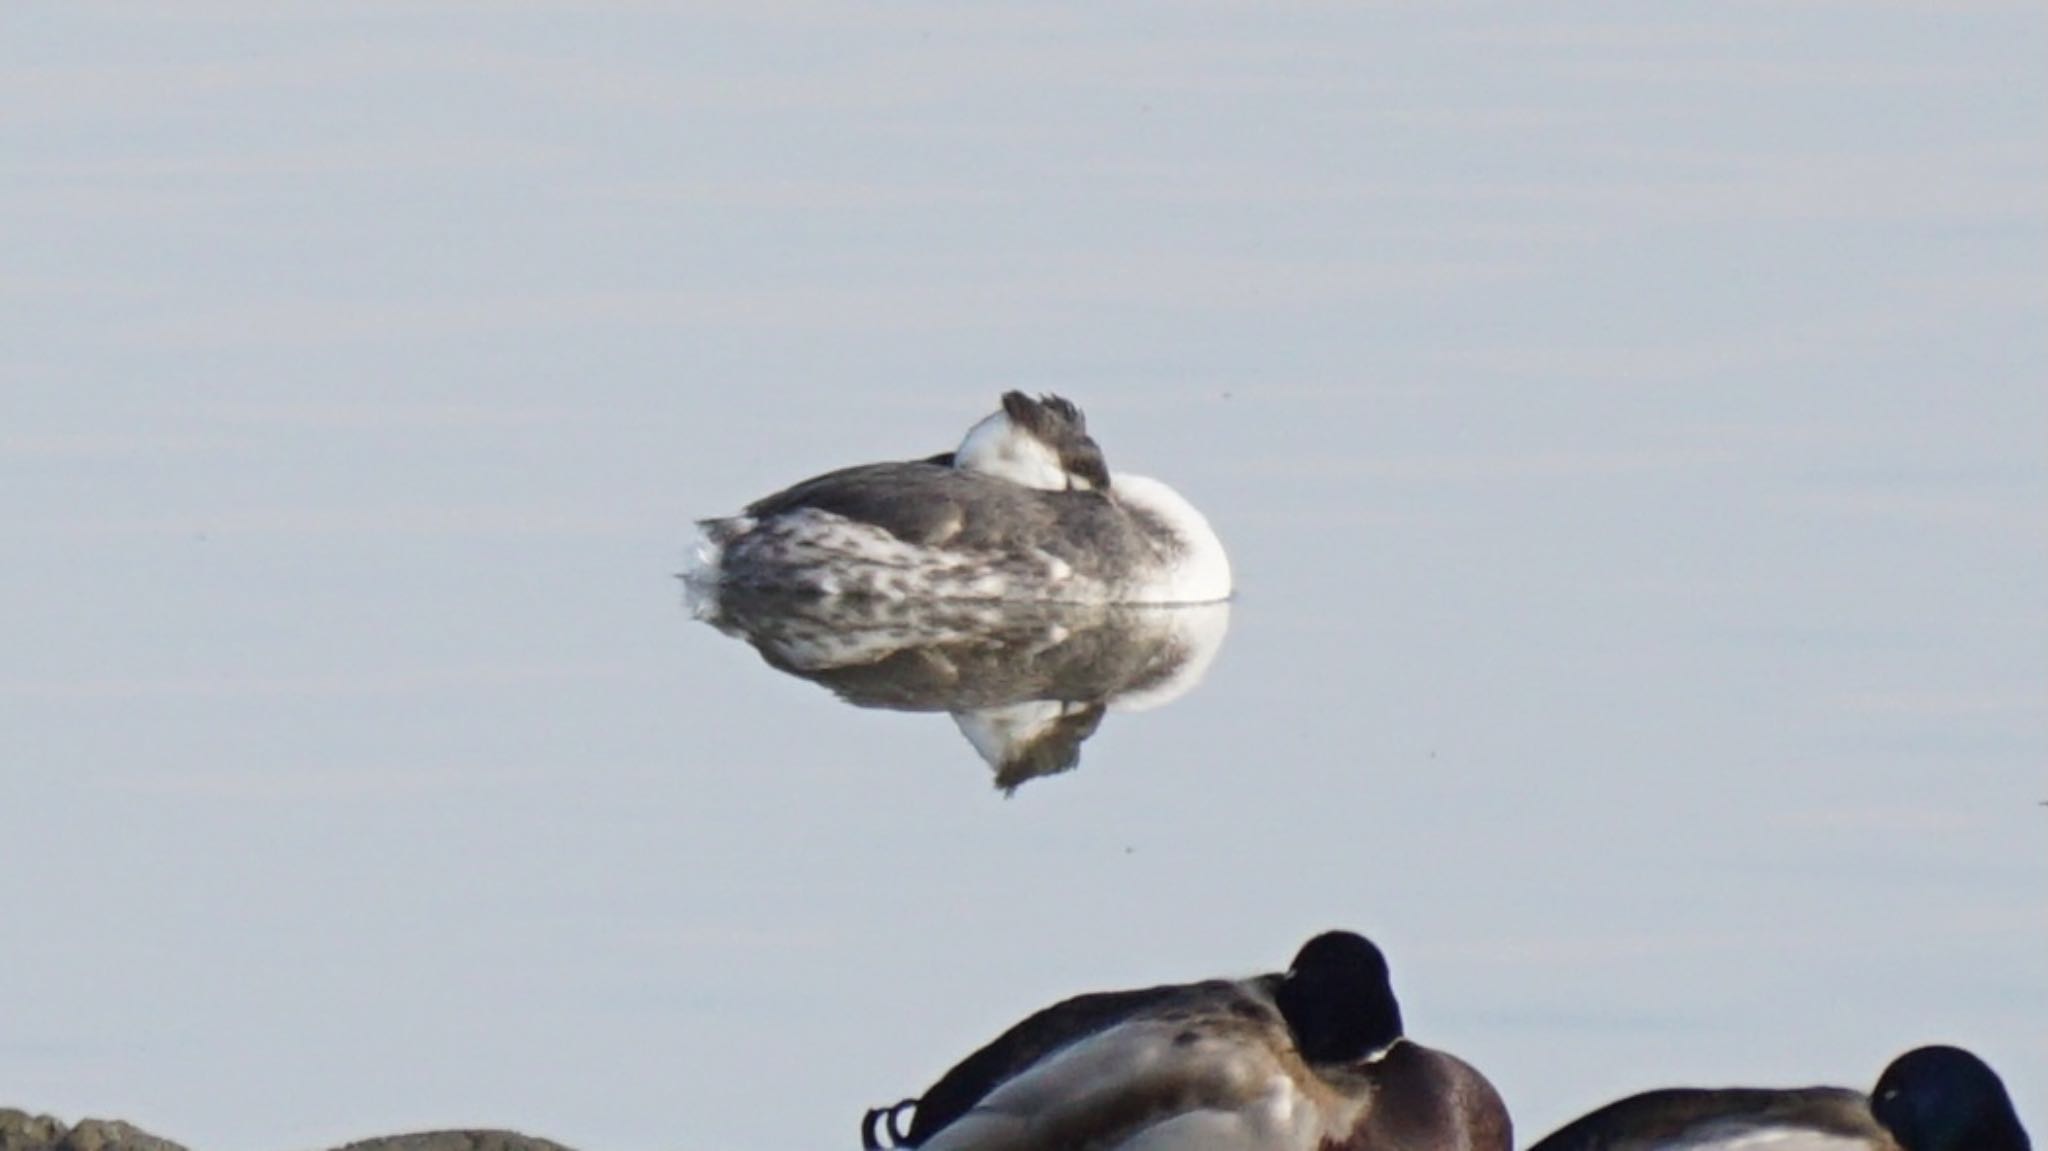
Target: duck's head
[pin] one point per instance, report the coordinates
(1946, 1099)
(1338, 999)
(1041, 443)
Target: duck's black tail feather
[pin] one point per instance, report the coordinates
(885, 1121)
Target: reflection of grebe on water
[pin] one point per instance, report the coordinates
(1026, 683)
(1024, 509)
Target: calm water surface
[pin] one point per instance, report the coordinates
(1627, 430)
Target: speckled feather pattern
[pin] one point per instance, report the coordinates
(920, 529)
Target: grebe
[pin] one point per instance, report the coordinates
(1310, 1060)
(1026, 683)
(1929, 1099)
(1024, 509)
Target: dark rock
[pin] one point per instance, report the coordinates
(21, 1131)
(113, 1135)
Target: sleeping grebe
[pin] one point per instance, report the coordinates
(1313, 1059)
(1024, 509)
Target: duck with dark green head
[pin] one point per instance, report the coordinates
(1311, 1059)
(1946, 1099)
(1929, 1099)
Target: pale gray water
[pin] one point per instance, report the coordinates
(1627, 427)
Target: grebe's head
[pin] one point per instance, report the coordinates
(1338, 1000)
(1041, 443)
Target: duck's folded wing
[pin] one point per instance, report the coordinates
(1217, 1080)
(1041, 1034)
(1806, 1119)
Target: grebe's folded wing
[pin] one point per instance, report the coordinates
(1040, 1035)
(917, 501)
(931, 505)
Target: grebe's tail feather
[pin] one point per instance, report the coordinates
(1048, 417)
(707, 562)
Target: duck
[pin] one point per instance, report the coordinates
(1025, 508)
(1934, 1098)
(1311, 1059)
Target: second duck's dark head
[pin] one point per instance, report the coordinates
(1946, 1099)
(1338, 999)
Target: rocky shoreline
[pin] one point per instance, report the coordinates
(27, 1131)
